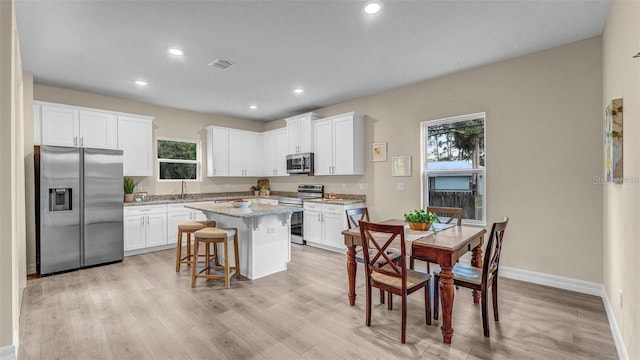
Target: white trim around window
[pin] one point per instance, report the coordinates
(197, 162)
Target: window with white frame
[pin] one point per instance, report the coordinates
(178, 160)
(453, 165)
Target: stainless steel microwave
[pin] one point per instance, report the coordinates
(300, 163)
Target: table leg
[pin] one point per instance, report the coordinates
(351, 273)
(446, 299)
(476, 260)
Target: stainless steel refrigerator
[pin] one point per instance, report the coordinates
(80, 208)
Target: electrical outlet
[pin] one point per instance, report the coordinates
(400, 186)
(620, 299)
(366, 186)
(139, 187)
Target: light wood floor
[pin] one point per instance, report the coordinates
(142, 309)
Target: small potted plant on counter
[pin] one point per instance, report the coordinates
(420, 219)
(265, 190)
(129, 188)
(255, 189)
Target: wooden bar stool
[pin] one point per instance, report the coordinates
(214, 236)
(188, 227)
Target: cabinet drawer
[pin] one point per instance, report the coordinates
(312, 206)
(144, 210)
(333, 209)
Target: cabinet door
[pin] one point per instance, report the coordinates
(306, 135)
(156, 229)
(280, 160)
(323, 147)
(251, 153)
(217, 151)
(237, 156)
(343, 146)
(98, 130)
(268, 154)
(312, 226)
(60, 126)
(135, 136)
(293, 132)
(173, 220)
(332, 226)
(134, 232)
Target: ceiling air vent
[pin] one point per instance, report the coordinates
(221, 64)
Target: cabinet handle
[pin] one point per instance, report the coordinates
(318, 217)
(82, 141)
(141, 221)
(75, 141)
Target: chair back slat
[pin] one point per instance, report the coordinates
(379, 238)
(493, 251)
(452, 214)
(355, 215)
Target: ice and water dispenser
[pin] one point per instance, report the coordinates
(59, 199)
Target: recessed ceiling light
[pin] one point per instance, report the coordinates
(372, 7)
(174, 51)
(253, 107)
(298, 90)
(141, 83)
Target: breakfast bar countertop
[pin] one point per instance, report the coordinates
(254, 210)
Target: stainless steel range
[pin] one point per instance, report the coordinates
(305, 191)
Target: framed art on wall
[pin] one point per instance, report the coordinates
(401, 166)
(379, 151)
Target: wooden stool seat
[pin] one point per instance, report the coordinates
(189, 227)
(215, 236)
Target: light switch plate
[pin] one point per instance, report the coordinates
(400, 186)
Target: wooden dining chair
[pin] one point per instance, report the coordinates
(393, 278)
(479, 279)
(444, 215)
(353, 217)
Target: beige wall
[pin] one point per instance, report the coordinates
(12, 196)
(621, 79)
(544, 130)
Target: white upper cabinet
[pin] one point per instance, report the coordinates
(98, 130)
(65, 125)
(339, 145)
(60, 126)
(217, 151)
(69, 126)
(135, 139)
(274, 153)
(300, 133)
(232, 152)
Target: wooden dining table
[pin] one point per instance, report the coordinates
(442, 247)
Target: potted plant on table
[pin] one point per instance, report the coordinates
(420, 219)
(129, 188)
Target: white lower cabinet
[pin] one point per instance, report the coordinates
(324, 223)
(145, 226)
(177, 214)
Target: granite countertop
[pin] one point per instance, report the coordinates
(171, 199)
(254, 210)
(337, 201)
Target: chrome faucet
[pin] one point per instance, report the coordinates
(183, 189)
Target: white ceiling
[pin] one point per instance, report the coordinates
(330, 48)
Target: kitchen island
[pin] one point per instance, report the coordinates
(264, 233)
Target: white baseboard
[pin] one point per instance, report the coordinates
(579, 286)
(615, 330)
(559, 282)
(8, 352)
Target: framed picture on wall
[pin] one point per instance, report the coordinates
(379, 151)
(401, 166)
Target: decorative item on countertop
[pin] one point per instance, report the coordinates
(265, 190)
(242, 204)
(255, 189)
(420, 220)
(129, 188)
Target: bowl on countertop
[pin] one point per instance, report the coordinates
(242, 204)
